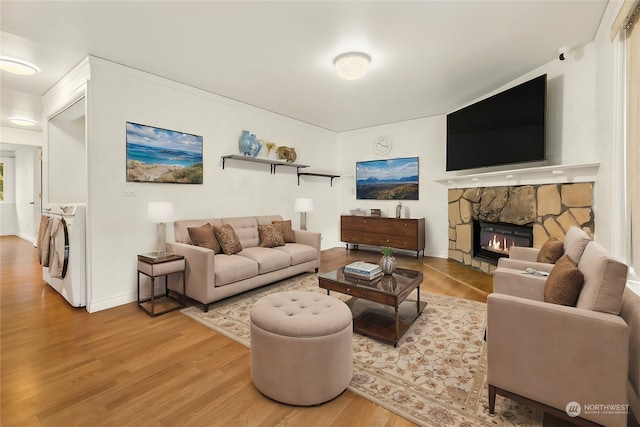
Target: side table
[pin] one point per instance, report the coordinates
(153, 265)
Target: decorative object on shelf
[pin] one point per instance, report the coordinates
(376, 212)
(399, 210)
(160, 213)
(249, 144)
(270, 146)
(287, 154)
(161, 155)
(303, 205)
(390, 179)
(382, 145)
(388, 261)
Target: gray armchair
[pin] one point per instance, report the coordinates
(553, 356)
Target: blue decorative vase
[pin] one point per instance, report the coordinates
(249, 144)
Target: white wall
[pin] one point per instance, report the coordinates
(8, 214)
(17, 216)
(580, 129)
(570, 140)
(27, 168)
(117, 227)
(423, 138)
(66, 156)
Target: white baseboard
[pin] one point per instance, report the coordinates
(27, 238)
(105, 304)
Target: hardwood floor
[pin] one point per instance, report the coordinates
(63, 366)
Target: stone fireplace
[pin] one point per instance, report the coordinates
(549, 210)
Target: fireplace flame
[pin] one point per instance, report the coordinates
(499, 246)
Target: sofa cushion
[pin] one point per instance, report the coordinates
(604, 280)
(551, 251)
(299, 253)
(181, 232)
(268, 259)
(287, 231)
(227, 238)
(246, 229)
(203, 236)
(564, 283)
(575, 241)
(270, 236)
(232, 268)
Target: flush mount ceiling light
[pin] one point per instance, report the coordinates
(20, 121)
(352, 65)
(17, 66)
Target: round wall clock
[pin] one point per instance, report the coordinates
(382, 145)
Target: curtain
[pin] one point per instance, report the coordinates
(632, 55)
(627, 22)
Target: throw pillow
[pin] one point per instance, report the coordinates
(564, 283)
(203, 236)
(551, 251)
(287, 231)
(228, 239)
(270, 236)
(575, 241)
(604, 280)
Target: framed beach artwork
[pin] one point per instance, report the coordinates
(392, 179)
(162, 155)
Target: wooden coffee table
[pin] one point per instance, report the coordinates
(371, 317)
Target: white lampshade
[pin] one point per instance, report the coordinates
(352, 65)
(160, 212)
(303, 205)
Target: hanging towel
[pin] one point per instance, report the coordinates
(44, 237)
(55, 263)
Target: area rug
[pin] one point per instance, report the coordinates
(436, 376)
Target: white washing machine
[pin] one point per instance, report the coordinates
(67, 270)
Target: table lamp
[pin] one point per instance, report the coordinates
(303, 205)
(160, 213)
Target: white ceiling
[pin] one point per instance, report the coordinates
(428, 57)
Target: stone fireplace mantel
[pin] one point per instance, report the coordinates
(555, 174)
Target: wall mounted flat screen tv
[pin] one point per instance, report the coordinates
(506, 128)
(392, 179)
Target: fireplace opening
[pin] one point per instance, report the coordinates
(492, 241)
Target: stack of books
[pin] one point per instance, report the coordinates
(363, 270)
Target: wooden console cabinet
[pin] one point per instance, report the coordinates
(398, 233)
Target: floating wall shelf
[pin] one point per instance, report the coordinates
(274, 163)
(326, 175)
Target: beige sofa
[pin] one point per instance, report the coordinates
(549, 355)
(211, 277)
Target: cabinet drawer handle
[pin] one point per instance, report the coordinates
(348, 289)
(364, 294)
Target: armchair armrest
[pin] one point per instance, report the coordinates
(519, 264)
(200, 279)
(523, 253)
(555, 354)
(518, 283)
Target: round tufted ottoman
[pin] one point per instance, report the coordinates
(301, 347)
